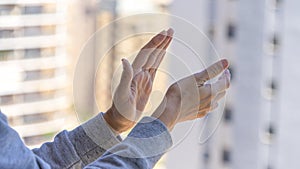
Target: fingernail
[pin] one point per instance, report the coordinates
(225, 63)
(163, 32)
(170, 31)
(162, 35)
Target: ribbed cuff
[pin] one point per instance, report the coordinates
(151, 137)
(99, 131)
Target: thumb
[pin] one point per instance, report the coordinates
(127, 75)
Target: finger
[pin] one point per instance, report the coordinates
(163, 52)
(170, 37)
(127, 75)
(142, 56)
(161, 56)
(158, 61)
(204, 111)
(155, 66)
(212, 71)
(219, 96)
(222, 84)
(211, 90)
(159, 50)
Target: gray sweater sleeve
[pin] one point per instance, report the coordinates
(13, 153)
(79, 147)
(143, 147)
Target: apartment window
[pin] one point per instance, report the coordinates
(206, 157)
(6, 33)
(6, 55)
(268, 133)
(32, 75)
(271, 129)
(7, 9)
(32, 53)
(37, 118)
(276, 3)
(48, 52)
(32, 31)
(275, 43)
(48, 73)
(31, 97)
(273, 87)
(48, 94)
(226, 156)
(231, 31)
(39, 74)
(7, 99)
(48, 30)
(270, 90)
(49, 8)
(39, 30)
(227, 114)
(33, 9)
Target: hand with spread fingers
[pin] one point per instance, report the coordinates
(134, 89)
(193, 97)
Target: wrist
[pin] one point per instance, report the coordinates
(165, 113)
(116, 121)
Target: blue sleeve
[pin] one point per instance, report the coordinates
(143, 147)
(13, 153)
(79, 147)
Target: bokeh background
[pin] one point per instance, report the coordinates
(41, 42)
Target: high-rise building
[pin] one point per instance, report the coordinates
(35, 86)
(259, 123)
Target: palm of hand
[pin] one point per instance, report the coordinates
(139, 93)
(136, 82)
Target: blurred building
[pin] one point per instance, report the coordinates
(260, 120)
(34, 92)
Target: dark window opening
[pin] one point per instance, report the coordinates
(271, 129)
(33, 9)
(231, 31)
(227, 114)
(32, 53)
(206, 157)
(226, 156)
(275, 43)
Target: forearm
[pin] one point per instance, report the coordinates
(13, 152)
(80, 146)
(143, 147)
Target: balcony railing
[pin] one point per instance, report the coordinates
(12, 21)
(37, 107)
(35, 42)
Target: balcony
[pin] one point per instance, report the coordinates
(45, 106)
(35, 42)
(12, 21)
